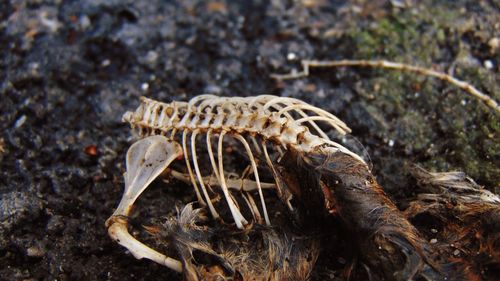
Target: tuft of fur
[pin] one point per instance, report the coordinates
(463, 221)
(223, 252)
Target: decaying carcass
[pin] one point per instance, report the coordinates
(322, 187)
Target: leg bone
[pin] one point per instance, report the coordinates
(240, 184)
(146, 160)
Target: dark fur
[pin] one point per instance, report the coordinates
(389, 247)
(342, 212)
(223, 252)
(466, 222)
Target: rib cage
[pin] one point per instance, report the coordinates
(274, 120)
(267, 116)
(265, 121)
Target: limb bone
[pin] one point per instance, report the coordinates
(232, 182)
(146, 160)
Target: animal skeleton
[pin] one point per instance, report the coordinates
(337, 177)
(266, 121)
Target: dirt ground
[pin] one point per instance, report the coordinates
(70, 69)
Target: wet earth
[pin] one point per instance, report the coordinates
(70, 69)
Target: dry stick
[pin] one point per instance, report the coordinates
(306, 64)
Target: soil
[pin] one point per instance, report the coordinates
(70, 69)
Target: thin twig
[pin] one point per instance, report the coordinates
(306, 64)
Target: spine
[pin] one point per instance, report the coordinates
(152, 116)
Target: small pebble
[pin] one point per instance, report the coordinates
(212, 89)
(398, 3)
(91, 150)
(494, 43)
(84, 22)
(291, 56)
(456, 252)
(20, 121)
(35, 251)
(488, 64)
(433, 241)
(51, 23)
(433, 230)
(34, 66)
(144, 86)
(151, 57)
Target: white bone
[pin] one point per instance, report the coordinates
(175, 114)
(163, 115)
(263, 100)
(335, 122)
(200, 178)
(190, 170)
(244, 115)
(256, 175)
(344, 150)
(235, 212)
(256, 145)
(211, 154)
(154, 115)
(236, 183)
(239, 117)
(146, 160)
(272, 101)
(172, 135)
(118, 231)
(275, 174)
(312, 123)
(253, 207)
(147, 111)
(199, 98)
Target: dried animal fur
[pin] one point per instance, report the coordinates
(449, 231)
(462, 219)
(337, 186)
(224, 252)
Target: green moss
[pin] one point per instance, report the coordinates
(391, 37)
(409, 35)
(447, 128)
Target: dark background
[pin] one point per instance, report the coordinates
(70, 69)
